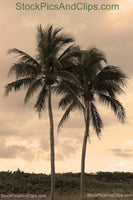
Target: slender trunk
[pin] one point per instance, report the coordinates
(84, 151)
(51, 143)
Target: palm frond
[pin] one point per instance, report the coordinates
(64, 39)
(115, 105)
(96, 56)
(66, 87)
(41, 101)
(66, 52)
(32, 89)
(24, 57)
(50, 30)
(68, 76)
(56, 31)
(70, 61)
(66, 115)
(108, 87)
(57, 62)
(59, 42)
(71, 52)
(65, 101)
(17, 85)
(40, 33)
(96, 119)
(111, 73)
(24, 70)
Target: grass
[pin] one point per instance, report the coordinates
(71, 197)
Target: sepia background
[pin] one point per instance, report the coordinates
(24, 138)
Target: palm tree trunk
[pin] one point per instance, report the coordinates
(84, 151)
(51, 143)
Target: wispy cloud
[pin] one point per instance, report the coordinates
(129, 143)
(124, 153)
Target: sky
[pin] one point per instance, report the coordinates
(24, 138)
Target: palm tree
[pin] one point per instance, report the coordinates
(96, 82)
(42, 73)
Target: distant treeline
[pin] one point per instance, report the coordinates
(18, 182)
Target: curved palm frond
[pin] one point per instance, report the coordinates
(24, 57)
(66, 115)
(111, 73)
(96, 119)
(32, 89)
(24, 70)
(67, 87)
(72, 106)
(95, 56)
(65, 101)
(59, 42)
(18, 84)
(91, 59)
(56, 31)
(41, 101)
(72, 52)
(68, 76)
(115, 105)
(66, 52)
(108, 87)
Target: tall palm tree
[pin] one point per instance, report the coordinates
(96, 82)
(42, 73)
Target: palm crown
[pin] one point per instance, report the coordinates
(94, 80)
(48, 67)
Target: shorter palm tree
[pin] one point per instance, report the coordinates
(96, 82)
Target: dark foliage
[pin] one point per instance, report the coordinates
(19, 182)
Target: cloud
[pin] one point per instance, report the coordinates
(44, 143)
(116, 150)
(124, 153)
(64, 147)
(68, 149)
(125, 166)
(15, 151)
(129, 143)
(10, 151)
(59, 157)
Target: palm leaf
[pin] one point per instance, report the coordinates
(108, 87)
(24, 57)
(41, 101)
(115, 105)
(56, 31)
(96, 119)
(68, 76)
(111, 73)
(65, 101)
(24, 70)
(66, 87)
(32, 89)
(66, 115)
(96, 56)
(18, 84)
